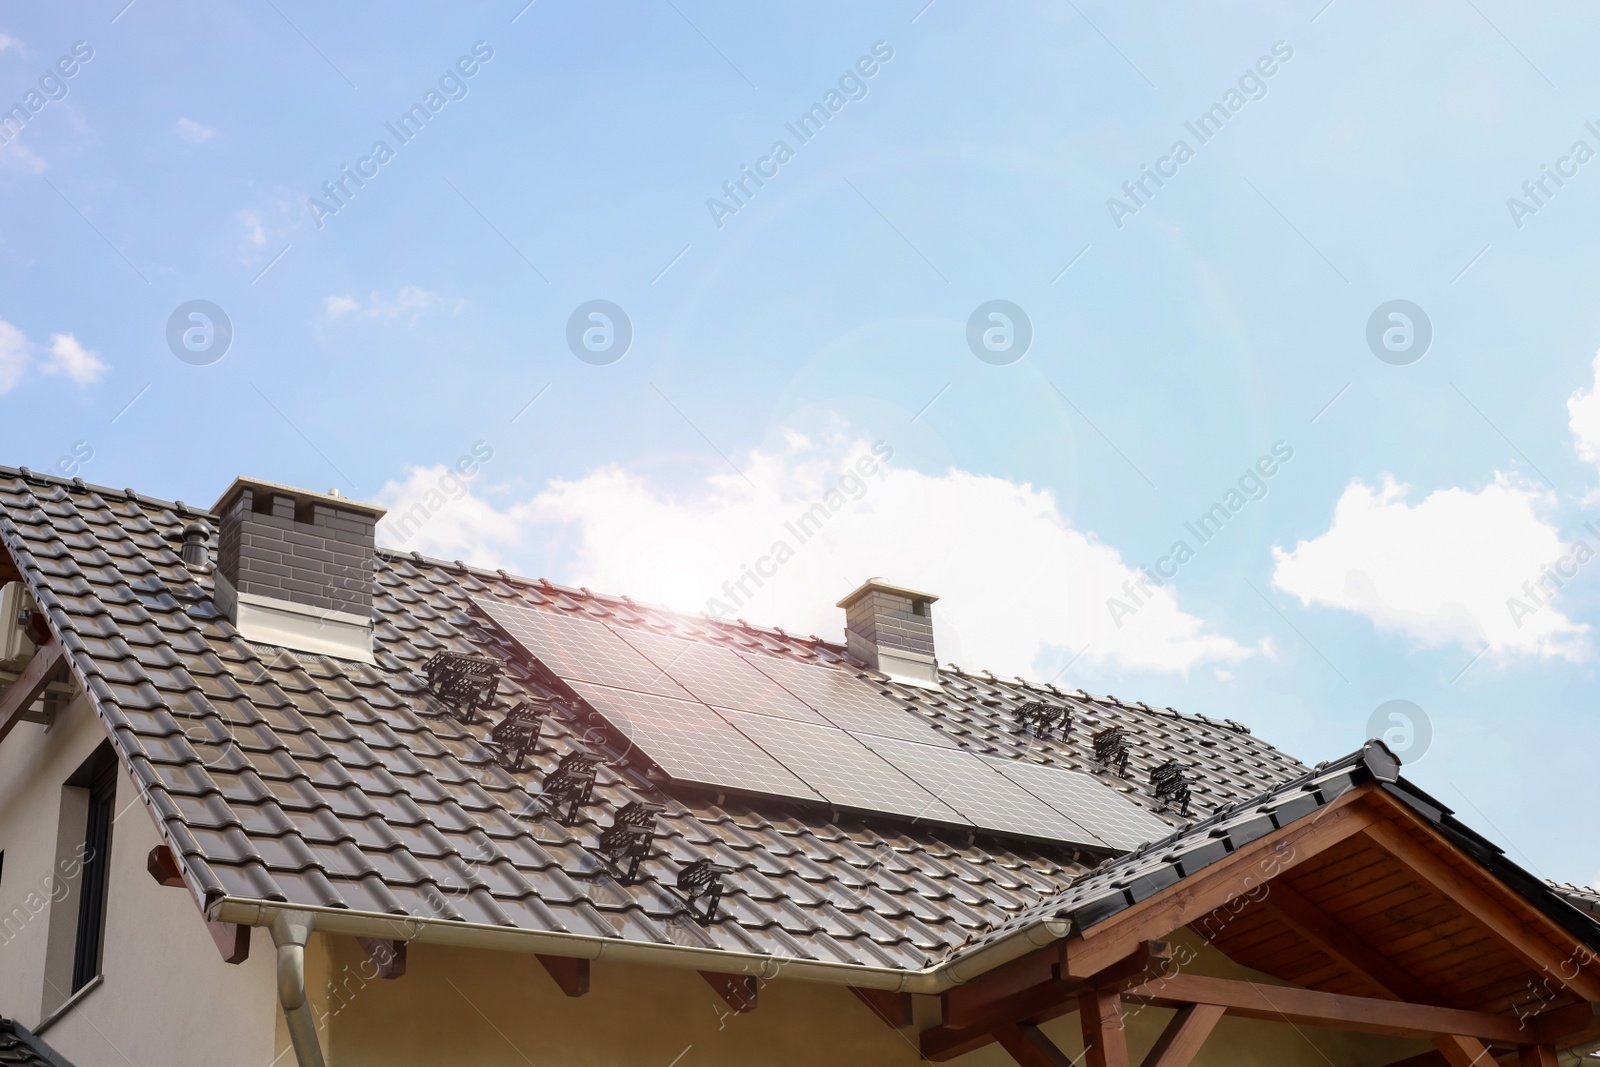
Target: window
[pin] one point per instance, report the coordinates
(102, 786)
(80, 882)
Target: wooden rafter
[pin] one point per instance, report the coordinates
(893, 1008)
(571, 973)
(1518, 928)
(739, 990)
(46, 662)
(386, 954)
(1241, 875)
(1356, 956)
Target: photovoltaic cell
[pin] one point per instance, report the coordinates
(580, 650)
(847, 701)
(1086, 801)
(712, 716)
(718, 676)
(842, 769)
(692, 743)
(987, 798)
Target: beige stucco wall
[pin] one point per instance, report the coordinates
(166, 997)
(463, 1006)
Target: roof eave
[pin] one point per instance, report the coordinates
(930, 980)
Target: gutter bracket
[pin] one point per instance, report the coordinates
(291, 930)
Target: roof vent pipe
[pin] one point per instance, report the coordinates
(890, 629)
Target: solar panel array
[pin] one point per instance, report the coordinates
(715, 716)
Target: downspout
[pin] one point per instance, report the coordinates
(290, 932)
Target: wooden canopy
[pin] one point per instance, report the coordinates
(1380, 922)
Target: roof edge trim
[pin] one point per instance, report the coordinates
(930, 980)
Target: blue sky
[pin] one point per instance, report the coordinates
(1226, 316)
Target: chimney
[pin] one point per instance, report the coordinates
(890, 629)
(295, 568)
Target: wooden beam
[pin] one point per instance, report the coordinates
(973, 1022)
(387, 955)
(1037, 1004)
(1105, 1042)
(1028, 1045)
(1146, 963)
(571, 973)
(1513, 930)
(232, 940)
(975, 1000)
(1295, 1005)
(1181, 1040)
(1358, 957)
(1538, 1056)
(163, 866)
(1239, 875)
(893, 1008)
(41, 668)
(739, 990)
(1575, 1024)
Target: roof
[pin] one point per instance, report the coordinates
(1119, 883)
(1583, 897)
(19, 1048)
(305, 780)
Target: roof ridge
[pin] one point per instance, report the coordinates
(182, 507)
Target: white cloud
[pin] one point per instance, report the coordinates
(9, 43)
(1442, 571)
(192, 131)
(69, 357)
(254, 232)
(64, 356)
(1583, 417)
(13, 356)
(1022, 591)
(410, 300)
(14, 155)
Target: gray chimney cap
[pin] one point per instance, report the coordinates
(301, 496)
(880, 585)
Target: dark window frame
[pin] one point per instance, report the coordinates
(99, 776)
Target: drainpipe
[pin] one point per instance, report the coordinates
(290, 932)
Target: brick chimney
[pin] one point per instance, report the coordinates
(890, 629)
(295, 568)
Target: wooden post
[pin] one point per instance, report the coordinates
(1105, 1043)
(1537, 1056)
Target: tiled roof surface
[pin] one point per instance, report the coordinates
(1121, 882)
(1583, 897)
(288, 777)
(19, 1048)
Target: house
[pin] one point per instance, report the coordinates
(271, 794)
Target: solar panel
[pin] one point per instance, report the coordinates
(842, 769)
(692, 743)
(847, 701)
(1091, 803)
(718, 676)
(987, 798)
(581, 650)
